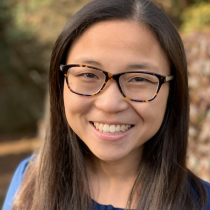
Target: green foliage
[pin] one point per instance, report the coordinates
(196, 17)
(21, 15)
(23, 67)
(199, 1)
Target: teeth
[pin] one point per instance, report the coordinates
(97, 126)
(111, 129)
(105, 128)
(118, 128)
(101, 127)
(122, 128)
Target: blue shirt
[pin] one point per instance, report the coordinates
(18, 177)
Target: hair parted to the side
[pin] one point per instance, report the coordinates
(58, 179)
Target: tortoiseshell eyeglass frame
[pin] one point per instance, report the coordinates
(162, 79)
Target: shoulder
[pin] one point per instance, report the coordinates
(15, 183)
(207, 187)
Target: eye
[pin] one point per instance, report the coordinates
(144, 80)
(89, 75)
(139, 79)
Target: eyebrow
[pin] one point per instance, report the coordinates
(143, 66)
(91, 62)
(132, 67)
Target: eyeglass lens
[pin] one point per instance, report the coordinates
(137, 86)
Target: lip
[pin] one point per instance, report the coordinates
(109, 137)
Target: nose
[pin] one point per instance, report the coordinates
(110, 100)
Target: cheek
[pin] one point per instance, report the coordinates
(152, 114)
(158, 106)
(77, 110)
(152, 117)
(75, 105)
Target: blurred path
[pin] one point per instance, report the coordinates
(20, 146)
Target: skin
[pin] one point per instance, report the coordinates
(113, 46)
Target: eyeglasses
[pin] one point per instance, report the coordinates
(137, 86)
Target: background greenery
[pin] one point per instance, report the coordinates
(28, 30)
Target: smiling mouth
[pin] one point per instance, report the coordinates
(111, 129)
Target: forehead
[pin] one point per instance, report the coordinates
(115, 45)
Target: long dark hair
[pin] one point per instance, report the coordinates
(58, 179)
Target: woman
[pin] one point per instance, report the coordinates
(119, 117)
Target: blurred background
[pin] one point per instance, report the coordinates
(28, 30)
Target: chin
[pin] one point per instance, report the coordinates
(109, 156)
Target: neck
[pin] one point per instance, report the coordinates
(117, 170)
(116, 178)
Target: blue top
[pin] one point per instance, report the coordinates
(18, 176)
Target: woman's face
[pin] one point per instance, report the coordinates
(115, 46)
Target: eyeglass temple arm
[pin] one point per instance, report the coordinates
(169, 78)
(63, 69)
